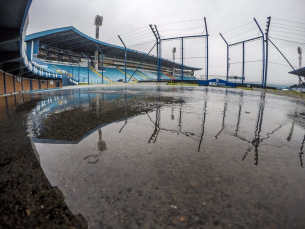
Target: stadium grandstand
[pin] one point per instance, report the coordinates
(65, 56)
(68, 52)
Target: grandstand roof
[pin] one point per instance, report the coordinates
(300, 71)
(13, 15)
(69, 38)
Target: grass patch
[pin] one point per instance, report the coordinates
(183, 84)
(245, 88)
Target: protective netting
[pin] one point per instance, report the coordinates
(246, 62)
(280, 53)
(189, 55)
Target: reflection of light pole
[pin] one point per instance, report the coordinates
(101, 144)
(300, 61)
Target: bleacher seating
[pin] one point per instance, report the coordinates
(135, 75)
(113, 74)
(149, 74)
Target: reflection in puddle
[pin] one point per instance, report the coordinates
(195, 146)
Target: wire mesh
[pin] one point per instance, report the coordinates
(185, 57)
(195, 55)
(171, 51)
(246, 62)
(254, 61)
(279, 72)
(286, 45)
(235, 64)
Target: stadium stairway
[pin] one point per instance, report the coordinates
(134, 79)
(92, 69)
(162, 76)
(142, 75)
(148, 74)
(135, 75)
(168, 75)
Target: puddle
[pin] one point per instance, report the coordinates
(173, 157)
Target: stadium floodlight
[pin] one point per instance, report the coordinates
(98, 21)
(174, 51)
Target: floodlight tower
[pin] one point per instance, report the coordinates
(98, 21)
(174, 52)
(300, 61)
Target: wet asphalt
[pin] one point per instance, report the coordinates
(151, 157)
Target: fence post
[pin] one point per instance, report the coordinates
(263, 51)
(102, 63)
(182, 59)
(243, 73)
(267, 50)
(227, 56)
(158, 54)
(207, 37)
(88, 65)
(78, 68)
(125, 57)
(158, 40)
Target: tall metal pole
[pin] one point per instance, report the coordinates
(125, 57)
(158, 55)
(263, 51)
(102, 63)
(182, 59)
(158, 41)
(243, 74)
(207, 37)
(78, 68)
(267, 50)
(88, 65)
(227, 56)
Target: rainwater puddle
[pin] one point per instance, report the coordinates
(173, 157)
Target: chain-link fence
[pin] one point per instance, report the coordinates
(246, 62)
(185, 58)
(246, 55)
(280, 74)
(286, 44)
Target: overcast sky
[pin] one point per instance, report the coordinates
(123, 16)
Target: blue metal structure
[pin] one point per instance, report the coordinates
(88, 65)
(102, 63)
(125, 57)
(78, 67)
(158, 42)
(182, 52)
(227, 56)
